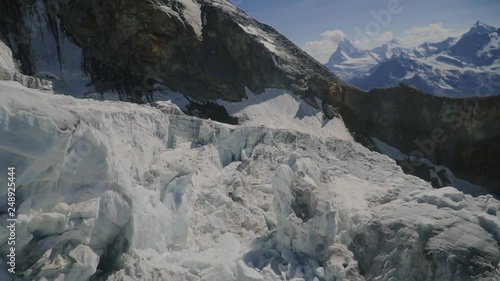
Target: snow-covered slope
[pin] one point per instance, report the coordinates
(137, 192)
(281, 109)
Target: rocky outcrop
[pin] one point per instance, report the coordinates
(462, 134)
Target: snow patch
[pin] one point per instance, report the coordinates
(281, 109)
(192, 13)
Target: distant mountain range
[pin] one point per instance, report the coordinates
(457, 67)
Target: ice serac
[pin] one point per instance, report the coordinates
(306, 214)
(429, 228)
(117, 191)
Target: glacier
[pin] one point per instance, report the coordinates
(110, 190)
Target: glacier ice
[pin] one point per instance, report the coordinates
(118, 191)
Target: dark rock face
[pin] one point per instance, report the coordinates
(462, 134)
(211, 110)
(14, 32)
(200, 48)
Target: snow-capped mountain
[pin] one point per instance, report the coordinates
(457, 67)
(390, 49)
(480, 46)
(429, 48)
(440, 74)
(349, 61)
(228, 155)
(482, 28)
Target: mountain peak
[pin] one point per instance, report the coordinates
(395, 42)
(349, 47)
(346, 50)
(346, 43)
(387, 50)
(480, 23)
(481, 28)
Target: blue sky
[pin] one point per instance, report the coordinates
(318, 25)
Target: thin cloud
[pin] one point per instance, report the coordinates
(322, 49)
(435, 32)
(374, 42)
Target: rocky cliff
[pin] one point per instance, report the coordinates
(462, 134)
(199, 48)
